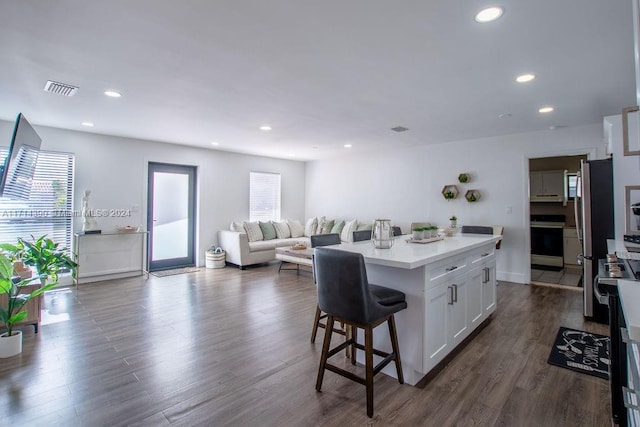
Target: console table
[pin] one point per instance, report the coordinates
(110, 255)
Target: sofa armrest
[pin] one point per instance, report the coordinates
(236, 245)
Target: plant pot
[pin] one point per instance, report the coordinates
(10, 345)
(417, 235)
(454, 223)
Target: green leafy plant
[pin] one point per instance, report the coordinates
(463, 177)
(44, 254)
(453, 218)
(449, 195)
(12, 311)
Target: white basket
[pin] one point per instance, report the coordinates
(215, 260)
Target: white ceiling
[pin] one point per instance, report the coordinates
(321, 73)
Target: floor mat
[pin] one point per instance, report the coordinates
(581, 351)
(174, 271)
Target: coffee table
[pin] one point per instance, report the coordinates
(294, 256)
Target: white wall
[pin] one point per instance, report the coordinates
(404, 185)
(115, 170)
(626, 170)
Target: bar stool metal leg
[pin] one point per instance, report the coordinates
(325, 351)
(394, 346)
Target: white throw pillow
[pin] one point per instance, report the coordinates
(297, 230)
(237, 226)
(282, 229)
(310, 227)
(254, 233)
(321, 223)
(347, 232)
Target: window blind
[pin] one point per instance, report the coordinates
(49, 207)
(264, 196)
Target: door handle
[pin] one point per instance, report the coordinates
(485, 278)
(455, 293)
(450, 298)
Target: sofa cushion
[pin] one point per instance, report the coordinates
(282, 229)
(364, 226)
(347, 232)
(263, 245)
(296, 228)
(254, 233)
(327, 226)
(310, 227)
(337, 227)
(237, 226)
(268, 230)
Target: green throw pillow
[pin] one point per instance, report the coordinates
(337, 227)
(268, 231)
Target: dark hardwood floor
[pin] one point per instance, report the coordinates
(231, 347)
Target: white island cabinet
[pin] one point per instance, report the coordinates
(450, 289)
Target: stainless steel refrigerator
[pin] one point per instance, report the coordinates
(596, 190)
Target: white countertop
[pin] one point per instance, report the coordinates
(629, 291)
(412, 255)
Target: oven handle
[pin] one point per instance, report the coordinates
(602, 299)
(546, 226)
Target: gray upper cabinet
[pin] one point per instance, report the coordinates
(547, 186)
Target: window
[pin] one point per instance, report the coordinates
(572, 185)
(49, 208)
(264, 196)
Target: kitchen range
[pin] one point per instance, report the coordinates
(621, 268)
(547, 247)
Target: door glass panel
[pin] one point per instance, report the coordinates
(170, 216)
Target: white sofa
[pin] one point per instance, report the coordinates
(241, 252)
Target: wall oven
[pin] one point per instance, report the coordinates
(547, 241)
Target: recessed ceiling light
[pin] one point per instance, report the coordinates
(504, 115)
(215, 143)
(265, 127)
(524, 78)
(348, 145)
(545, 110)
(113, 94)
(88, 124)
(489, 14)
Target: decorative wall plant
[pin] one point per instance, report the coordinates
(464, 178)
(450, 192)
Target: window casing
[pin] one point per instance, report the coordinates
(264, 196)
(49, 210)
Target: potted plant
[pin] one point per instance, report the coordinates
(454, 221)
(434, 231)
(12, 306)
(46, 256)
(418, 233)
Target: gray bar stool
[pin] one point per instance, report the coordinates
(322, 240)
(346, 296)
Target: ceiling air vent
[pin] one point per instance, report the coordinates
(399, 129)
(60, 88)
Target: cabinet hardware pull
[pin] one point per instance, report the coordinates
(453, 267)
(485, 279)
(484, 254)
(450, 301)
(455, 293)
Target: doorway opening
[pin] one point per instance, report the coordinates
(171, 216)
(555, 221)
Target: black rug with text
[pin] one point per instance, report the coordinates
(581, 351)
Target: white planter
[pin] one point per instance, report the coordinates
(10, 345)
(418, 235)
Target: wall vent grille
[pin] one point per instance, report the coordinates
(60, 88)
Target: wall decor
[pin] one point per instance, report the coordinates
(632, 209)
(630, 146)
(450, 192)
(464, 178)
(472, 196)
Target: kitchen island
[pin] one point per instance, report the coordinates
(450, 288)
